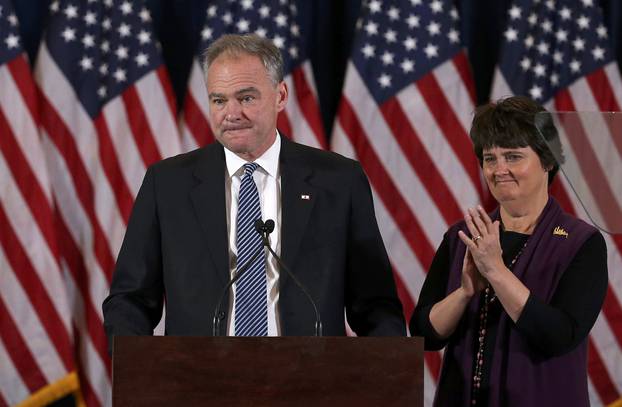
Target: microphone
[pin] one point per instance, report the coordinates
(261, 229)
(265, 229)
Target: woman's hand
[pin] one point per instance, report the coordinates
(445, 314)
(485, 249)
(484, 246)
(472, 280)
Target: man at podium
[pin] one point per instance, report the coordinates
(194, 225)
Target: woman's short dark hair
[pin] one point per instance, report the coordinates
(511, 123)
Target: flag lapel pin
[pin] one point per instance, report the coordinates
(559, 231)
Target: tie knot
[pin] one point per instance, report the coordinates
(249, 168)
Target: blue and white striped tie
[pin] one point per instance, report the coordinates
(251, 307)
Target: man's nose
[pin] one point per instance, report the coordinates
(233, 111)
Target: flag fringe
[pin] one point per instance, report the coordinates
(52, 392)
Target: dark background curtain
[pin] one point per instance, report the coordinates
(329, 28)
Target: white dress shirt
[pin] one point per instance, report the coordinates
(267, 177)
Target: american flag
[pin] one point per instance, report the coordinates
(35, 324)
(277, 20)
(558, 53)
(107, 113)
(406, 107)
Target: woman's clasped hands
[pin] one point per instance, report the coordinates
(483, 256)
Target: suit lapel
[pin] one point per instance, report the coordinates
(297, 198)
(208, 199)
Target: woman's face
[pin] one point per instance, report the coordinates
(514, 174)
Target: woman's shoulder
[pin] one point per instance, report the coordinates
(572, 227)
(577, 238)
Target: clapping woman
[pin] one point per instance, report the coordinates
(513, 294)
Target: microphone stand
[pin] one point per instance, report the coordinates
(264, 229)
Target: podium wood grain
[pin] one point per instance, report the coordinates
(281, 371)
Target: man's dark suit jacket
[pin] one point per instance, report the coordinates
(176, 246)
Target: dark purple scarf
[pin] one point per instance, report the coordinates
(519, 375)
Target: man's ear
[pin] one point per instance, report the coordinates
(282, 95)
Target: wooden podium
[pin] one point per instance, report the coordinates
(277, 371)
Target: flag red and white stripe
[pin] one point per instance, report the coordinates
(194, 123)
(35, 322)
(96, 163)
(412, 149)
(415, 149)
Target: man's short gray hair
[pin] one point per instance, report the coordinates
(234, 45)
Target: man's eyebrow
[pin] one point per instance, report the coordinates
(250, 89)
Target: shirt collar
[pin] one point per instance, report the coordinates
(269, 160)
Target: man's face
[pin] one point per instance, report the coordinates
(243, 104)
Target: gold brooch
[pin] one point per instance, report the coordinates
(559, 231)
